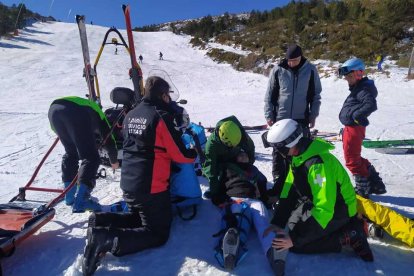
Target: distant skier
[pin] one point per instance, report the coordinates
(140, 59)
(161, 56)
(116, 51)
(77, 121)
(318, 202)
(380, 60)
(360, 103)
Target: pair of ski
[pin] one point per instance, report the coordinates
(90, 73)
(391, 146)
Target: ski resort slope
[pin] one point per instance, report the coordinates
(45, 62)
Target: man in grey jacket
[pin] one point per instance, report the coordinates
(293, 92)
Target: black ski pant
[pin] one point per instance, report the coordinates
(309, 237)
(73, 126)
(146, 226)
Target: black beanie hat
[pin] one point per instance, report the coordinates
(293, 51)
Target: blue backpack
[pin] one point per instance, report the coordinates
(184, 185)
(196, 137)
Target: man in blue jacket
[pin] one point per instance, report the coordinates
(360, 103)
(293, 92)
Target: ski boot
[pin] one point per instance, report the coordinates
(361, 186)
(277, 261)
(83, 200)
(376, 184)
(70, 195)
(355, 236)
(230, 247)
(98, 243)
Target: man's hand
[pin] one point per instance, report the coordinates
(270, 122)
(115, 165)
(282, 243)
(312, 123)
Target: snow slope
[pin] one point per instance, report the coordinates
(45, 62)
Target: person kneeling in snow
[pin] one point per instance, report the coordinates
(318, 203)
(151, 143)
(78, 122)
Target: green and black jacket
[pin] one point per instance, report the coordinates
(317, 176)
(100, 124)
(218, 154)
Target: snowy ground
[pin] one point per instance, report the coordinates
(45, 62)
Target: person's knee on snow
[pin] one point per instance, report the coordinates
(353, 234)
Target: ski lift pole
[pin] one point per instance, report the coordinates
(17, 19)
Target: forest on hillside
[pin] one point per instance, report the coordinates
(15, 17)
(333, 30)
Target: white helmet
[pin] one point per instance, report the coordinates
(285, 133)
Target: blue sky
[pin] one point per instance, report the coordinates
(144, 12)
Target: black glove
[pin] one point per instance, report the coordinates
(218, 199)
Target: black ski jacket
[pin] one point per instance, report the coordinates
(360, 103)
(151, 142)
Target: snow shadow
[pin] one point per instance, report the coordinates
(7, 45)
(266, 157)
(61, 242)
(31, 40)
(395, 200)
(34, 31)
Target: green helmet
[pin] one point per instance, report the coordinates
(230, 134)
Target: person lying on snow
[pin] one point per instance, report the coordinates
(77, 122)
(238, 188)
(151, 143)
(242, 187)
(318, 202)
